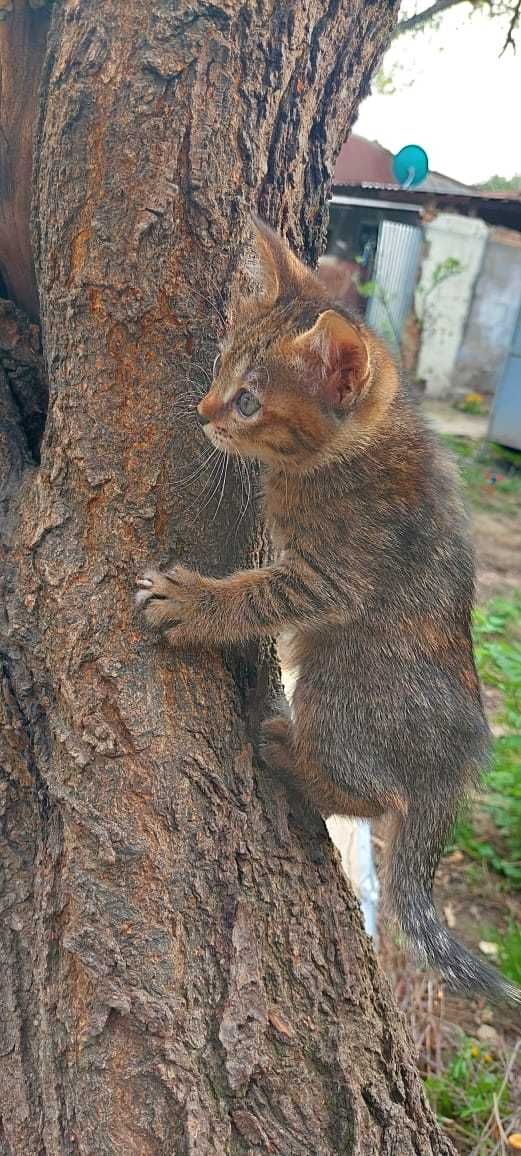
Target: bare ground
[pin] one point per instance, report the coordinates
(497, 539)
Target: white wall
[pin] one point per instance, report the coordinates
(493, 314)
(443, 310)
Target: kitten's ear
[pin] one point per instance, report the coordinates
(279, 270)
(343, 355)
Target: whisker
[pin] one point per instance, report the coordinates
(180, 414)
(184, 405)
(209, 482)
(200, 468)
(227, 458)
(214, 473)
(215, 286)
(195, 387)
(246, 474)
(215, 490)
(224, 305)
(191, 385)
(216, 468)
(209, 302)
(206, 372)
(237, 465)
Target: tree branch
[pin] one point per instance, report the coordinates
(420, 19)
(514, 20)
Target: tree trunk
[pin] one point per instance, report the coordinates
(183, 965)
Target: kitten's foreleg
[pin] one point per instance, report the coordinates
(249, 604)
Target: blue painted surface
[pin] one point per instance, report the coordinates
(505, 419)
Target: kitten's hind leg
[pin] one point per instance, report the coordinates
(278, 750)
(276, 743)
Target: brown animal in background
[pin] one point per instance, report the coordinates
(370, 593)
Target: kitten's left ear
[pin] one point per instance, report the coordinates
(279, 270)
(343, 355)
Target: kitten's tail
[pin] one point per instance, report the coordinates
(417, 841)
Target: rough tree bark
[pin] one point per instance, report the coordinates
(183, 965)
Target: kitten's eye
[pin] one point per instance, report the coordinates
(247, 403)
(216, 365)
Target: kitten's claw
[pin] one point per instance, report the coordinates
(168, 597)
(145, 584)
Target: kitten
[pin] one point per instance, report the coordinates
(371, 589)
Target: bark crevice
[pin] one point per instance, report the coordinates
(22, 362)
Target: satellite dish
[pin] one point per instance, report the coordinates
(410, 166)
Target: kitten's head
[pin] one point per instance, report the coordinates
(295, 375)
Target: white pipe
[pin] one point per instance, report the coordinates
(353, 839)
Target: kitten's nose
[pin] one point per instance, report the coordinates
(202, 418)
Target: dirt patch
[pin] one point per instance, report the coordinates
(445, 419)
(497, 541)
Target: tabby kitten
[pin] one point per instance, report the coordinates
(371, 589)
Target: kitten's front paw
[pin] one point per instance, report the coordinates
(169, 599)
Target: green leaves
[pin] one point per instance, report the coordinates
(447, 268)
(466, 1091)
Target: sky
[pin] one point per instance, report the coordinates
(455, 96)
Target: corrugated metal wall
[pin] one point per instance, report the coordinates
(396, 266)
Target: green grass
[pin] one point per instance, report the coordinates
(509, 949)
(491, 474)
(463, 1095)
(486, 853)
(497, 646)
(497, 642)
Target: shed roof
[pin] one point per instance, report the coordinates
(362, 161)
(364, 170)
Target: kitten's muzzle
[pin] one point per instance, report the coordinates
(202, 418)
